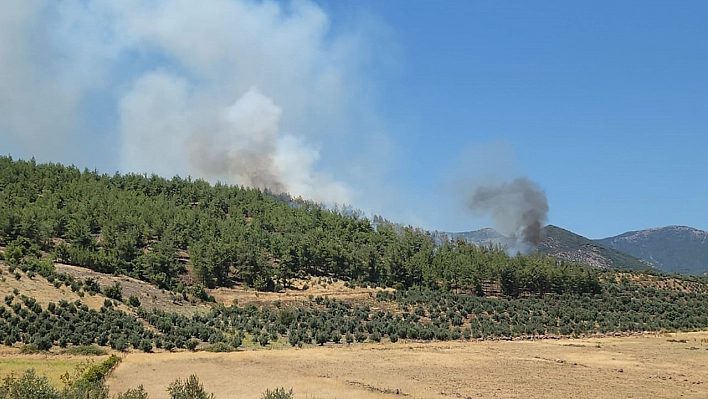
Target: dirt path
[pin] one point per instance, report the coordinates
(637, 367)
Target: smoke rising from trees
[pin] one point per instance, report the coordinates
(246, 92)
(519, 209)
(246, 147)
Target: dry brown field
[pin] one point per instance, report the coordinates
(648, 366)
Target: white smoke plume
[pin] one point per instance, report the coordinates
(246, 147)
(257, 93)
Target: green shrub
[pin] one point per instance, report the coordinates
(192, 344)
(220, 347)
(28, 386)
(190, 388)
(114, 292)
(145, 345)
(133, 301)
(97, 372)
(86, 350)
(278, 393)
(91, 286)
(43, 344)
(136, 393)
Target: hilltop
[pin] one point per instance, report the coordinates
(672, 249)
(563, 245)
(566, 245)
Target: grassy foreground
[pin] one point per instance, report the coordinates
(642, 366)
(53, 367)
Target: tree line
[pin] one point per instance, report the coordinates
(153, 229)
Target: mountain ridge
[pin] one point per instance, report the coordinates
(562, 244)
(674, 248)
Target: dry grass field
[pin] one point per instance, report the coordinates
(629, 367)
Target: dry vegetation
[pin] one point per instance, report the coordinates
(150, 296)
(153, 297)
(299, 294)
(650, 366)
(42, 290)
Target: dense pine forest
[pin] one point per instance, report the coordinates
(152, 228)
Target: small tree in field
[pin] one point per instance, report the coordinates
(114, 292)
(190, 388)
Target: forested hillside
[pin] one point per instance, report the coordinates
(168, 231)
(158, 230)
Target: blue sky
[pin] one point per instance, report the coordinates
(397, 107)
(605, 104)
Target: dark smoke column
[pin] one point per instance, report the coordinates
(519, 208)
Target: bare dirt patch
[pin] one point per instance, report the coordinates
(637, 367)
(150, 296)
(298, 295)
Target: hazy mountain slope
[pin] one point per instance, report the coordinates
(572, 247)
(562, 244)
(672, 249)
(484, 237)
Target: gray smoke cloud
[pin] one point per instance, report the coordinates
(519, 209)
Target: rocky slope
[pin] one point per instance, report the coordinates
(679, 249)
(564, 245)
(572, 247)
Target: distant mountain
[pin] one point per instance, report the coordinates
(565, 245)
(572, 247)
(672, 249)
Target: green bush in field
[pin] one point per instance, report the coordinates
(190, 388)
(134, 301)
(278, 393)
(86, 350)
(114, 292)
(28, 386)
(220, 347)
(136, 393)
(97, 372)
